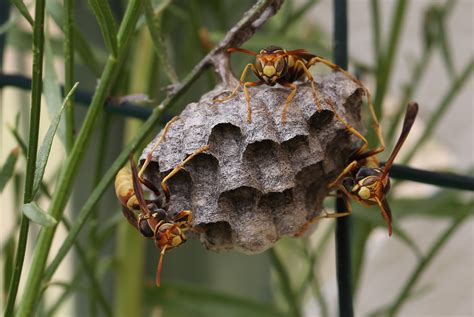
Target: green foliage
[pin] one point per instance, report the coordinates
(38, 215)
(45, 149)
(157, 44)
(107, 24)
(8, 168)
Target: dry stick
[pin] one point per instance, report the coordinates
(243, 30)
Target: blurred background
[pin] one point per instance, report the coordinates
(403, 50)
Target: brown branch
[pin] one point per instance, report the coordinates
(252, 20)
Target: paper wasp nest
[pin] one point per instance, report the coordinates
(261, 180)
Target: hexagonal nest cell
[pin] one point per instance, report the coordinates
(261, 180)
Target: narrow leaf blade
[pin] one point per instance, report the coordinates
(38, 215)
(52, 89)
(107, 24)
(20, 5)
(83, 48)
(7, 170)
(45, 149)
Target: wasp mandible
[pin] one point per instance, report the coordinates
(151, 217)
(275, 65)
(363, 179)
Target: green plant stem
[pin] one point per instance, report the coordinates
(376, 29)
(35, 113)
(359, 238)
(423, 264)
(444, 105)
(96, 289)
(284, 278)
(69, 70)
(20, 5)
(69, 170)
(93, 232)
(68, 290)
(384, 69)
(154, 22)
(130, 245)
(311, 278)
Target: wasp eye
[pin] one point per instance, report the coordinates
(145, 229)
(258, 65)
(348, 183)
(280, 65)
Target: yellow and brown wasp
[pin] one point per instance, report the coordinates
(151, 217)
(274, 65)
(363, 179)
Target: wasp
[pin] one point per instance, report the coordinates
(151, 217)
(275, 65)
(363, 179)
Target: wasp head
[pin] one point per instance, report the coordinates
(271, 64)
(370, 186)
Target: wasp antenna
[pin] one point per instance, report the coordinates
(410, 115)
(160, 265)
(137, 188)
(386, 213)
(297, 51)
(242, 50)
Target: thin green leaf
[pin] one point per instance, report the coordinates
(52, 89)
(45, 149)
(8, 25)
(419, 292)
(24, 150)
(296, 15)
(81, 45)
(187, 301)
(373, 216)
(443, 238)
(447, 202)
(20, 5)
(445, 46)
(153, 20)
(8, 168)
(384, 70)
(107, 24)
(286, 288)
(456, 85)
(38, 215)
(69, 289)
(8, 256)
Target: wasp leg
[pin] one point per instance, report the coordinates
(183, 216)
(247, 97)
(288, 100)
(351, 129)
(149, 156)
(313, 84)
(323, 215)
(178, 167)
(349, 168)
(160, 266)
(241, 82)
(376, 123)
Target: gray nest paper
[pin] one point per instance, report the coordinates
(261, 180)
